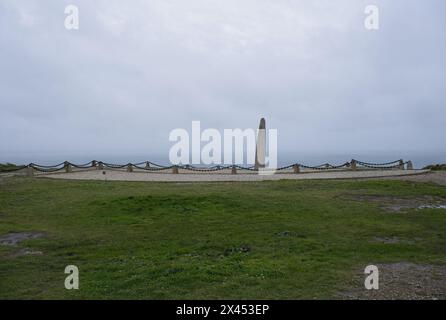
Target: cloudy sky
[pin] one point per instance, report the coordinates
(137, 69)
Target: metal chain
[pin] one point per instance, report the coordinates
(150, 166)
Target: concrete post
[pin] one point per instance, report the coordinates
(30, 171)
(353, 164)
(129, 167)
(233, 170)
(175, 170)
(68, 168)
(296, 168)
(401, 164)
(100, 166)
(94, 163)
(409, 165)
(147, 165)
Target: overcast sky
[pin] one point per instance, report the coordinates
(135, 70)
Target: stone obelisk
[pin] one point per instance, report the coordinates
(261, 145)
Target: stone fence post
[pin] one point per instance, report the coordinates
(30, 171)
(353, 164)
(67, 167)
(401, 164)
(296, 168)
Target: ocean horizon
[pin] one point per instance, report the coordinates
(419, 159)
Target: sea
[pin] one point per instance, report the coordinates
(419, 159)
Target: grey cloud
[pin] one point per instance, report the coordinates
(134, 71)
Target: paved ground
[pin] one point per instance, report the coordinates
(116, 175)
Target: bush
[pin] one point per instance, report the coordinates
(436, 167)
(4, 167)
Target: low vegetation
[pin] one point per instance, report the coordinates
(436, 167)
(5, 167)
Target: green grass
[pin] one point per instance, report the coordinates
(5, 167)
(436, 167)
(266, 240)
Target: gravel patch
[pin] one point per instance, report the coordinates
(290, 234)
(28, 252)
(12, 239)
(397, 204)
(387, 240)
(401, 281)
(395, 240)
(432, 206)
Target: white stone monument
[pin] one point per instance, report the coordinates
(261, 145)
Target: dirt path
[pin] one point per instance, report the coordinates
(438, 177)
(401, 281)
(117, 175)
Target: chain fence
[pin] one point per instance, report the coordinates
(149, 166)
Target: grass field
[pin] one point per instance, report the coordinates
(284, 239)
